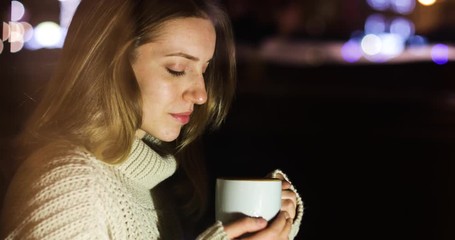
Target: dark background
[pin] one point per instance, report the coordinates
(370, 147)
(372, 159)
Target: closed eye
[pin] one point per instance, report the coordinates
(175, 73)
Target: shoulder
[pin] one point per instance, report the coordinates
(50, 166)
(54, 171)
(64, 182)
(49, 172)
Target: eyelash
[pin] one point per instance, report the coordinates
(175, 73)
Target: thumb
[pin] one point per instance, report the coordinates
(244, 225)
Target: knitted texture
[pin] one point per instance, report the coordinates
(216, 232)
(77, 196)
(300, 206)
(81, 197)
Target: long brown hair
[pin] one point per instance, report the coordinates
(93, 100)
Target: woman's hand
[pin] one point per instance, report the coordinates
(249, 228)
(288, 198)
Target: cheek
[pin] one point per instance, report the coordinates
(155, 88)
(157, 92)
(146, 80)
(144, 74)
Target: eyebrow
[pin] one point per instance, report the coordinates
(185, 55)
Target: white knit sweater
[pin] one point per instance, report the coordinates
(80, 197)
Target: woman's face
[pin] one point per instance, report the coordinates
(170, 71)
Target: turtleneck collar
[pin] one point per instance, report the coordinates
(145, 166)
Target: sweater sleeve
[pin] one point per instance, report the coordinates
(300, 206)
(215, 232)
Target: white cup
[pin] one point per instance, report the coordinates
(258, 197)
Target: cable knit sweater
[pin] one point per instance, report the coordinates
(80, 197)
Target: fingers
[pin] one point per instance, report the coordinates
(288, 198)
(285, 184)
(283, 222)
(278, 229)
(244, 225)
(289, 202)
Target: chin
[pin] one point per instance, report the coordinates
(168, 137)
(164, 134)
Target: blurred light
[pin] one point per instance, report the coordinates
(427, 2)
(45, 35)
(16, 36)
(351, 51)
(375, 24)
(440, 53)
(6, 31)
(17, 11)
(17, 32)
(28, 31)
(417, 40)
(48, 34)
(1, 47)
(417, 44)
(392, 44)
(379, 5)
(403, 6)
(382, 47)
(32, 44)
(16, 46)
(402, 26)
(387, 38)
(67, 9)
(371, 44)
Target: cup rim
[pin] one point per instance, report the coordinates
(249, 179)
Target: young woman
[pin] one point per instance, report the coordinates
(138, 83)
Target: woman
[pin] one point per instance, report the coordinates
(138, 83)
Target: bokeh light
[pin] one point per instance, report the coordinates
(351, 51)
(379, 5)
(6, 32)
(427, 2)
(16, 32)
(403, 6)
(371, 44)
(402, 27)
(48, 34)
(440, 53)
(375, 24)
(17, 11)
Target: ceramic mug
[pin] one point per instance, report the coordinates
(254, 197)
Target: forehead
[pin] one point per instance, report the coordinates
(194, 36)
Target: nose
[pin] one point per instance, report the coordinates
(197, 94)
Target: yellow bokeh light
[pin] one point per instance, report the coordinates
(427, 2)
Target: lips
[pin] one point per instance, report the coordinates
(183, 118)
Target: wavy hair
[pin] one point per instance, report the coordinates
(93, 100)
